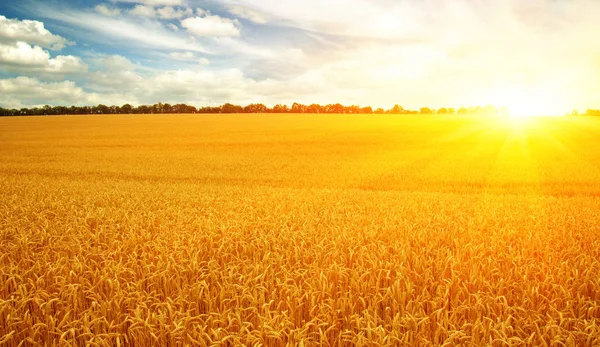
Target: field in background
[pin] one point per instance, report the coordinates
(299, 229)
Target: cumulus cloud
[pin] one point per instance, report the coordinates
(23, 58)
(17, 55)
(211, 25)
(116, 63)
(152, 2)
(143, 11)
(249, 14)
(31, 31)
(105, 10)
(115, 74)
(27, 92)
(168, 12)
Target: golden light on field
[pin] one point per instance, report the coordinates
(378, 230)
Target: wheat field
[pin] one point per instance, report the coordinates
(299, 230)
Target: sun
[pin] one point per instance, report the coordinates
(523, 103)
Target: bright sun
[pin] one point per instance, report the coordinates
(526, 103)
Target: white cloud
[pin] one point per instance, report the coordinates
(173, 27)
(184, 56)
(143, 11)
(203, 61)
(115, 73)
(21, 57)
(27, 92)
(64, 64)
(31, 31)
(105, 10)
(211, 25)
(152, 2)
(249, 14)
(116, 63)
(174, 13)
(143, 34)
(23, 54)
(166, 12)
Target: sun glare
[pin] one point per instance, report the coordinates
(523, 103)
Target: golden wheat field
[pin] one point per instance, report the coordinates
(299, 230)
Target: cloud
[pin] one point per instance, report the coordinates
(211, 25)
(173, 13)
(31, 31)
(22, 54)
(23, 58)
(184, 56)
(143, 11)
(116, 63)
(17, 55)
(115, 74)
(28, 92)
(249, 14)
(152, 2)
(104, 10)
(143, 34)
(189, 57)
(166, 12)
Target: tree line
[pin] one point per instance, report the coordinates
(587, 113)
(165, 108)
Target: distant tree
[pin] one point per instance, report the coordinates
(592, 113)
(167, 108)
(335, 108)
(451, 111)
(366, 110)
(426, 110)
(126, 109)
(280, 109)
(442, 110)
(256, 108)
(315, 108)
(397, 109)
(352, 109)
(46, 110)
(6, 112)
(298, 108)
(100, 109)
(208, 109)
(462, 110)
(379, 111)
(230, 108)
(490, 110)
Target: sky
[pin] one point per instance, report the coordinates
(536, 55)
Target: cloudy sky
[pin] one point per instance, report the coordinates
(536, 54)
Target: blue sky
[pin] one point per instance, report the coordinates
(538, 56)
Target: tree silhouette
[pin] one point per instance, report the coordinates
(157, 108)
